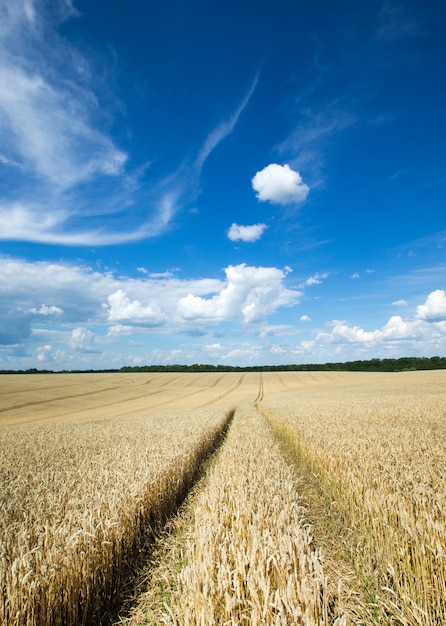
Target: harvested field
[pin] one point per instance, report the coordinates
(92, 465)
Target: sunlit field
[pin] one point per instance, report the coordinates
(324, 502)
(378, 449)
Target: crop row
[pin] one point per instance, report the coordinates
(248, 556)
(76, 502)
(380, 457)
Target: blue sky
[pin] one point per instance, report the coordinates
(221, 182)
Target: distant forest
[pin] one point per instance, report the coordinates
(404, 364)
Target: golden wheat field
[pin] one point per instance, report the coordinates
(321, 498)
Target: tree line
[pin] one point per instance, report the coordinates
(403, 364)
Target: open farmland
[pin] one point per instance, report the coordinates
(26, 399)
(92, 465)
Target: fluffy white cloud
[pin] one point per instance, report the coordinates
(395, 329)
(279, 184)
(418, 336)
(344, 333)
(246, 233)
(250, 293)
(90, 318)
(82, 339)
(119, 330)
(122, 308)
(434, 308)
(89, 309)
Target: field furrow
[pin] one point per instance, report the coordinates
(249, 556)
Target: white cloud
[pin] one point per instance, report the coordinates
(316, 279)
(398, 337)
(223, 129)
(44, 353)
(346, 334)
(214, 350)
(246, 233)
(214, 346)
(277, 350)
(122, 308)
(248, 353)
(81, 298)
(120, 330)
(50, 130)
(250, 293)
(66, 170)
(434, 308)
(395, 328)
(279, 184)
(46, 310)
(80, 312)
(400, 303)
(82, 339)
(333, 323)
(47, 103)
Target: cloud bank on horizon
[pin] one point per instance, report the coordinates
(52, 298)
(202, 185)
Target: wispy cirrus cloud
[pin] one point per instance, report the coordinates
(307, 144)
(222, 130)
(49, 107)
(70, 182)
(341, 92)
(183, 186)
(396, 22)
